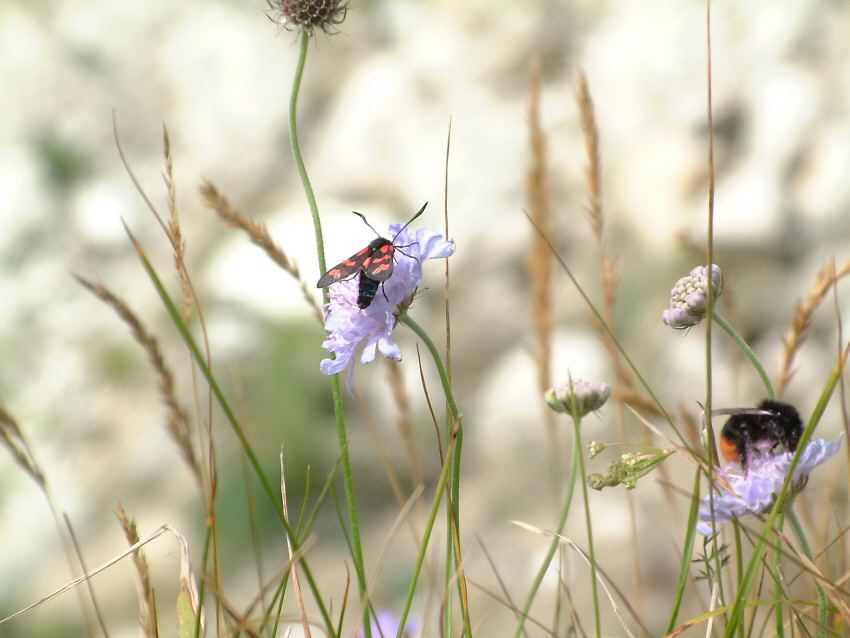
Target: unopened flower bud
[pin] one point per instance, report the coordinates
(587, 397)
(689, 297)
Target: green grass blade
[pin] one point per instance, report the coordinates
(200, 360)
(687, 552)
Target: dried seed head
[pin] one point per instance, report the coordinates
(628, 469)
(308, 15)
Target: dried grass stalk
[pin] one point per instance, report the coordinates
(175, 233)
(796, 332)
(178, 419)
(147, 600)
(259, 235)
(591, 148)
(596, 217)
(539, 257)
(296, 583)
(13, 438)
(623, 385)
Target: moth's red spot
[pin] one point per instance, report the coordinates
(388, 248)
(335, 272)
(349, 262)
(379, 259)
(380, 267)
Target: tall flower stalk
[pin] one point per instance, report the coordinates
(576, 398)
(347, 477)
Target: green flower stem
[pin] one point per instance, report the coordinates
(455, 460)
(807, 550)
(594, 584)
(347, 478)
(556, 540)
(745, 348)
(299, 160)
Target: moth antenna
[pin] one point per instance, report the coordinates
(421, 210)
(365, 221)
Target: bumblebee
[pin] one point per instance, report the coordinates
(772, 424)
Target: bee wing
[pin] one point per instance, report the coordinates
(346, 268)
(379, 265)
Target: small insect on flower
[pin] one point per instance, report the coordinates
(749, 432)
(374, 264)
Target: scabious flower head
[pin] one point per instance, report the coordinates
(351, 329)
(308, 15)
(689, 297)
(588, 396)
(385, 623)
(756, 488)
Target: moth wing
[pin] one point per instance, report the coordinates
(379, 265)
(346, 268)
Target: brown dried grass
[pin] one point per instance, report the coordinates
(259, 235)
(797, 331)
(178, 419)
(623, 385)
(539, 258)
(13, 439)
(147, 600)
(173, 229)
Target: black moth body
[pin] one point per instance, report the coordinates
(374, 264)
(366, 290)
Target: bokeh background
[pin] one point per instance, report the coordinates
(374, 117)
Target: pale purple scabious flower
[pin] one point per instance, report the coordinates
(385, 625)
(756, 487)
(349, 328)
(689, 297)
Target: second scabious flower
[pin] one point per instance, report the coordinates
(352, 329)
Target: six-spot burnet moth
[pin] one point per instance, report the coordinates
(374, 264)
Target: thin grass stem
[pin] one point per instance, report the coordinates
(423, 545)
(556, 540)
(800, 533)
(684, 567)
(778, 615)
(455, 461)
